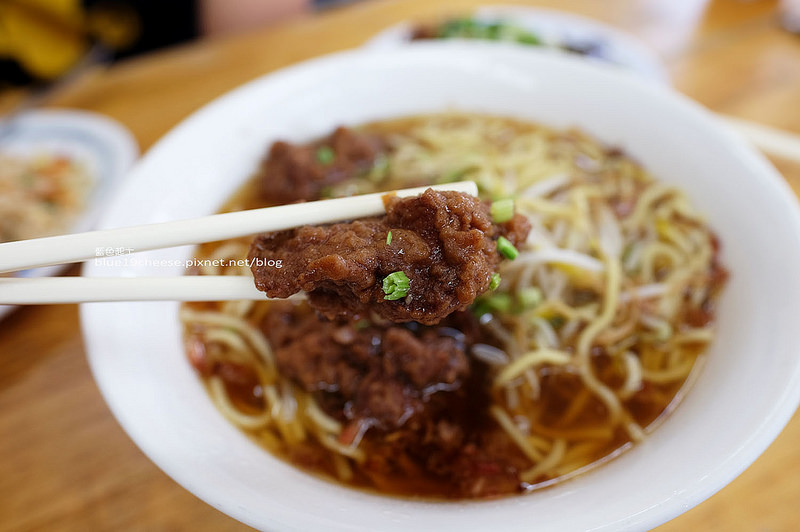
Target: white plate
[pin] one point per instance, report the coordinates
(746, 393)
(554, 28)
(103, 145)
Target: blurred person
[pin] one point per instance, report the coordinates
(40, 40)
(231, 16)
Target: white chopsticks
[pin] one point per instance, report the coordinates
(768, 139)
(84, 246)
(47, 290)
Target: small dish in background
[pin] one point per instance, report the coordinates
(540, 28)
(42, 149)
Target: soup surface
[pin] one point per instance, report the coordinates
(588, 340)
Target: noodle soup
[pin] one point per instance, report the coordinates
(592, 334)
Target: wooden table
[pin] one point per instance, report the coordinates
(66, 465)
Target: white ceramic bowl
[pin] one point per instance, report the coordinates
(742, 399)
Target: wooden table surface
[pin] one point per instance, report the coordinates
(66, 465)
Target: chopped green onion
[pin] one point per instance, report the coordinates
(528, 38)
(449, 29)
(389, 238)
(325, 155)
(530, 298)
(502, 210)
(396, 286)
(480, 308)
(501, 302)
(493, 32)
(664, 332)
(460, 27)
(506, 248)
(469, 28)
(495, 282)
(557, 321)
(380, 169)
(362, 324)
(453, 175)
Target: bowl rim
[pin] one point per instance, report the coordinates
(775, 420)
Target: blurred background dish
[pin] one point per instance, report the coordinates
(535, 27)
(58, 169)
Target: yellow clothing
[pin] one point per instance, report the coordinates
(45, 36)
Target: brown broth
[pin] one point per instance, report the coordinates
(408, 475)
